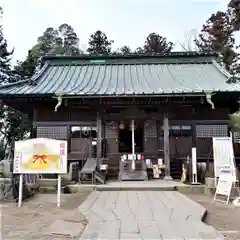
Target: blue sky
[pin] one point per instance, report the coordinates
(127, 22)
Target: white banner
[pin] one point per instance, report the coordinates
(223, 154)
(194, 161)
(39, 156)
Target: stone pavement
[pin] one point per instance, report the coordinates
(144, 215)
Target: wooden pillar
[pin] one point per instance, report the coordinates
(166, 147)
(194, 135)
(133, 144)
(99, 139)
(33, 116)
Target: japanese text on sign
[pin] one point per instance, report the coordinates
(62, 148)
(17, 160)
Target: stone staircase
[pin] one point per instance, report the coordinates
(175, 168)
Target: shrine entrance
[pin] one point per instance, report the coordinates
(125, 134)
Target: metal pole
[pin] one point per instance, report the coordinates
(20, 191)
(59, 191)
(133, 145)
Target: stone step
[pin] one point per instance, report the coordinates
(102, 188)
(137, 175)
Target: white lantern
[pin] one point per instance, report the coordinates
(121, 126)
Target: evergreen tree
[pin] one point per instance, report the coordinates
(63, 41)
(157, 44)
(11, 122)
(125, 50)
(99, 43)
(69, 40)
(139, 50)
(217, 35)
(6, 75)
(234, 13)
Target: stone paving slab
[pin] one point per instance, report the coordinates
(144, 215)
(64, 228)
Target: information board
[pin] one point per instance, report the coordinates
(225, 183)
(223, 154)
(39, 156)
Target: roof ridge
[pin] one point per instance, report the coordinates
(34, 78)
(132, 55)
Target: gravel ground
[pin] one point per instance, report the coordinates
(225, 218)
(37, 214)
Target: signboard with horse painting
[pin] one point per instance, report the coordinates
(39, 156)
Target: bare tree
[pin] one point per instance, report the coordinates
(189, 44)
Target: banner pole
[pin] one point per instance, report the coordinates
(20, 190)
(59, 191)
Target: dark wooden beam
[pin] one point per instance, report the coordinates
(166, 147)
(99, 139)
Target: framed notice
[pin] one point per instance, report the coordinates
(224, 187)
(39, 156)
(223, 154)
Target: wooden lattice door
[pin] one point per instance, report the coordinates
(111, 136)
(150, 139)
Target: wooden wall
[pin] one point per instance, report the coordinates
(204, 121)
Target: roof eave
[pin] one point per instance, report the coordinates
(26, 96)
(67, 96)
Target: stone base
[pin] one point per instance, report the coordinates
(168, 178)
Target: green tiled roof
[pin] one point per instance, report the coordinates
(175, 73)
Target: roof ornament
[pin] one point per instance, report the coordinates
(231, 78)
(38, 65)
(59, 103)
(209, 99)
(37, 71)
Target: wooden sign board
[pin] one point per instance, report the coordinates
(39, 156)
(225, 183)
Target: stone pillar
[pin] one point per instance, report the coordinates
(166, 148)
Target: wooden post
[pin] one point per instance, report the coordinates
(166, 148)
(33, 133)
(99, 140)
(133, 144)
(194, 145)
